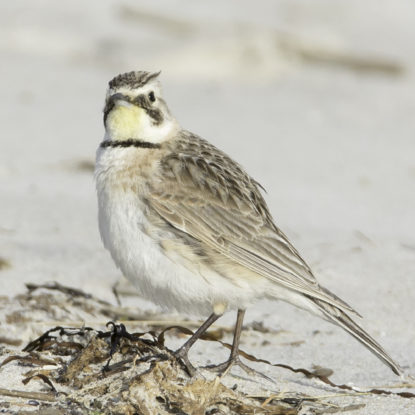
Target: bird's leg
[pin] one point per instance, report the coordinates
(234, 359)
(183, 351)
(237, 336)
(224, 367)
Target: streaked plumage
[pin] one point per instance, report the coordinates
(187, 225)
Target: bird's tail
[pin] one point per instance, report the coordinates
(339, 317)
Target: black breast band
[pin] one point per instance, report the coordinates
(131, 142)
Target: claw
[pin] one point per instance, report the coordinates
(181, 354)
(223, 368)
(183, 359)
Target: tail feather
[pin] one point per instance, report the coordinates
(339, 317)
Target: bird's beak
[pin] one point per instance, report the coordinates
(118, 97)
(113, 100)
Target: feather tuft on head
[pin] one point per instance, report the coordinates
(133, 79)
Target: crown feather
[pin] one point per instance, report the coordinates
(133, 79)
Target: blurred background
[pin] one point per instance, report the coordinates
(314, 98)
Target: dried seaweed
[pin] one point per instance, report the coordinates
(42, 377)
(141, 375)
(115, 371)
(85, 370)
(318, 373)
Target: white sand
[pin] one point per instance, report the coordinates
(334, 147)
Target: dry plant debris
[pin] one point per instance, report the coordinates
(117, 372)
(83, 370)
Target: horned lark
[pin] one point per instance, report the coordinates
(189, 227)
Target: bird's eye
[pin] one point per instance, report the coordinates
(151, 96)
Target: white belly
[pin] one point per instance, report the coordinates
(169, 281)
(157, 277)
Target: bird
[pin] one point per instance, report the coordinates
(190, 228)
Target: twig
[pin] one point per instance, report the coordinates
(40, 396)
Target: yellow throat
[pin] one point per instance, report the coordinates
(125, 121)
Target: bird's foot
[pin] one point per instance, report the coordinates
(183, 359)
(223, 368)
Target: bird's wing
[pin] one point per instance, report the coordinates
(208, 196)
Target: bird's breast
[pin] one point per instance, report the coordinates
(125, 170)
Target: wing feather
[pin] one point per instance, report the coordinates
(207, 195)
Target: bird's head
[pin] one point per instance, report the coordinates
(134, 109)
